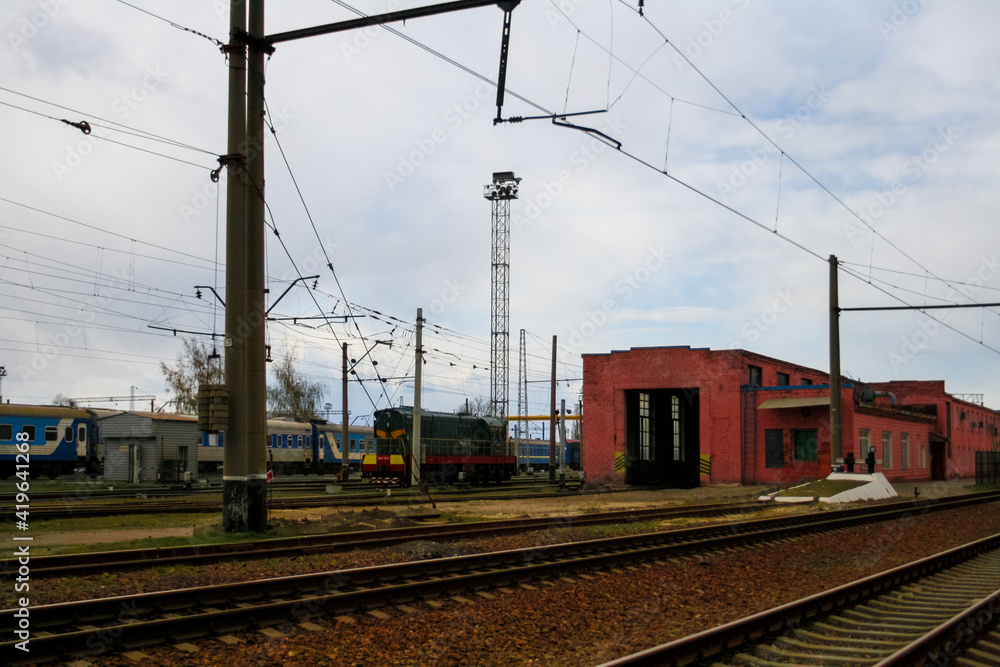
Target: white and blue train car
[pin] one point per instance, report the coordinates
(361, 440)
(534, 454)
(291, 448)
(296, 447)
(60, 440)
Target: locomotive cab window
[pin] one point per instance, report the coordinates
(6, 432)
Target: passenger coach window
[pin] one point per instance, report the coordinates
(81, 433)
(69, 434)
(29, 431)
(51, 433)
(6, 432)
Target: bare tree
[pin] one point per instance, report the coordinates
(478, 407)
(64, 401)
(292, 395)
(194, 367)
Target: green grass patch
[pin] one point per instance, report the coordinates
(823, 488)
(122, 522)
(138, 523)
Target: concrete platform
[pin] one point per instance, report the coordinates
(871, 487)
(877, 488)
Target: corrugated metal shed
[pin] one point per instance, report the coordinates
(162, 446)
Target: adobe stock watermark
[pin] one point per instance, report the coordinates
(122, 107)
(741, 174)
(913, 168)
(204, 198)
(752, 330)
(451, 291)
(312, 263)
(561, 12)
(49, 350)
(364, 37)
(581, 159)
(631, 283)
(913, 344)
(902, 13)
(31, 26)
(425, 147)
(714, 28)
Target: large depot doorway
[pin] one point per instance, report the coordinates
(662, 437)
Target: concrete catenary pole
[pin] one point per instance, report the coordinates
(836, 423)
(552, 417)
(256, 395)
(417, 460)
(234, 464)
(345, 438)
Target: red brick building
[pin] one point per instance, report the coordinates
(683, 417)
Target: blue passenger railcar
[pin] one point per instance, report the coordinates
(60, 440)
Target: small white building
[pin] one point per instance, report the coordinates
(150, 447)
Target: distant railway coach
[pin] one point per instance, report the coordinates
(455, 448)
(297, 447)
(61, 439)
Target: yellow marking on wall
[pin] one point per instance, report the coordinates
(619, 461)
(706, 464)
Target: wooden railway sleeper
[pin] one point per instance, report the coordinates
(838, 639)
(850, 651)
(912, 617)
(874, 635)
(796, 658)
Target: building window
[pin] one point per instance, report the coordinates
(774, 448)
(806, 381)
(756, 378)
(886, 450)
(923, 456)
(783, 379)
(675, 417)
(864, 442)
(645, 428)
(804, 444)
(904, 450)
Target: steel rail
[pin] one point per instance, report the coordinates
(109, 561)
(849, 648)
(362, 588)
(86, 509)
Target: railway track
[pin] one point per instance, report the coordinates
(110, 561)
(929, 612)
(214, 486)
(93, 626)
(74, 507)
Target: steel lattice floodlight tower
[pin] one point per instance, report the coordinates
(503, 188)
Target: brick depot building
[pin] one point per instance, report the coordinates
(684, 417)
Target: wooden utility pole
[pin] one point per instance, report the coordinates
(836, 416)
(418, 450)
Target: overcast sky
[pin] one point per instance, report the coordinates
(756, 139)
